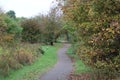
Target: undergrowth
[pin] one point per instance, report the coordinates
(80, 67)
(37, 67)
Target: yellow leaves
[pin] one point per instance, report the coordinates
(113, 29)
(107, 35)
(91, 13)
(110, 30)
(6, 39)
(99, 28)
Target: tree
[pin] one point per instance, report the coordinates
(31, 31)
(13, 27)
(11, 14)
(50, 26)
(10, 30)
(95, 23)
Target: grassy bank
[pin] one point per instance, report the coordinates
(80, 67)
(42, 64)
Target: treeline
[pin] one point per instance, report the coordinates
(95, 29)
(18, 38)
(43, 28)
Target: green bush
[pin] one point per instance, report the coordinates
(10, 31)
(31, 31)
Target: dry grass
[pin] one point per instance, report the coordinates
(15, 57)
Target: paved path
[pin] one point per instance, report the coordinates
(62, 68)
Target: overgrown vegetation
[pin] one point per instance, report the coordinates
(41, 64)
(19, 37)
(92, 26)
(95, 27)
(80, 67)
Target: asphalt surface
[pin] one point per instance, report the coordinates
(62, 68)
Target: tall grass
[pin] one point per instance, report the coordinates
(40, 65)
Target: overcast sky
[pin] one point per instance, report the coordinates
(26, 8)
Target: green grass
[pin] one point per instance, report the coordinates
(42, 64)
(80, 67)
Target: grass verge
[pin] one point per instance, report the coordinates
(80, 67)
(42, 64)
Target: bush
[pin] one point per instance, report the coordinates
(10, 31)
(12, 59)
(23, 56)
(8, 62)
(31, 31)
(96, 25)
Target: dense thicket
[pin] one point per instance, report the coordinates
(9, 36)
(10, 30)
(96, 25)
(31, 31)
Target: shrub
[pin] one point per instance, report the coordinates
(31, 31)
(23, 56)
(8, 62)
(96, 24)
(10, 31)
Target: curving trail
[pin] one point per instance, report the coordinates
(62, 68)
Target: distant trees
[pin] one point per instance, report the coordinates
(42, 28)
(11, 14)
(31, 30)
(54, 26)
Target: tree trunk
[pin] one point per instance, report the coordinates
(51, 43)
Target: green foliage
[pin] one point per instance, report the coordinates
(11, 14)
(42, 28)
(31, 30)
(13, 54)
(52, 26)
(80, 67)
(10, 30)
(13, 27)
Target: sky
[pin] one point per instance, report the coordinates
(26, 8)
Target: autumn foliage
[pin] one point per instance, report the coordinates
(96, 25)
